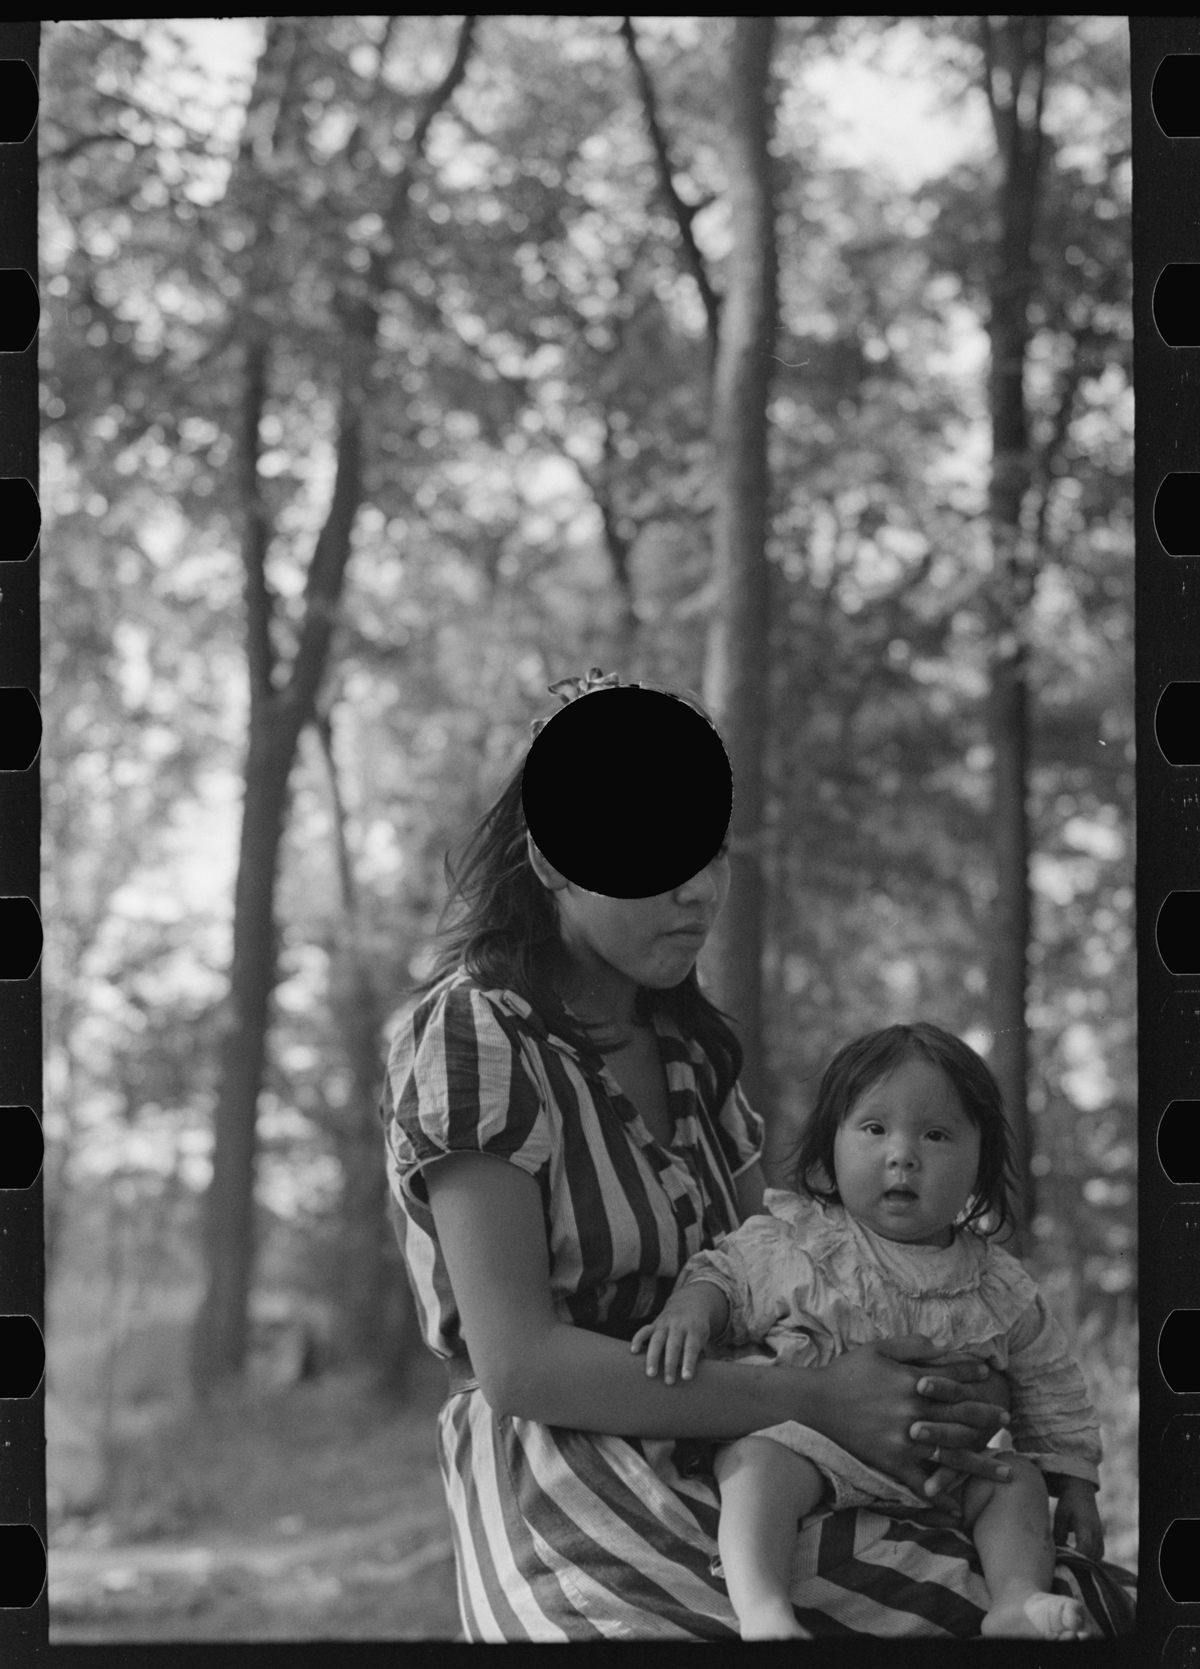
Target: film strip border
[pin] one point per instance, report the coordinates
(23, 1600)
(1165, 65)
(1166, 138)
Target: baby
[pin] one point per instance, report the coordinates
(901, 1179)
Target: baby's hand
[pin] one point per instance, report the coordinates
(1077, 1513)
(676, 1338)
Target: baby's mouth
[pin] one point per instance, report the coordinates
(900, 1194)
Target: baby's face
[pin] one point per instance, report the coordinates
(906, 1157)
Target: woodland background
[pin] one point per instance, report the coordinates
(393, 369)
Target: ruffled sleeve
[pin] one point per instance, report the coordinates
(458, 1082)
(1053, 1420)
(767, 1277)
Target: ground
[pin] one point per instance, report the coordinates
(309, 1511)
(314, 1512)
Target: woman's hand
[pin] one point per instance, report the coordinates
(533, 1365)
(678, 1334)
(876, 1396)
(993, 1392)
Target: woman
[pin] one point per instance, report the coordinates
(564, 1033)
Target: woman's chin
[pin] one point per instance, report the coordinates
(664, 976)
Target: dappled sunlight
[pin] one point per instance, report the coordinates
(386, 383)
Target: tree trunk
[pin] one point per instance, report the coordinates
(1008, 974)
(735, 677)
(219, 1346)
(278, 714)
(1015, 75)
(377, 1321)
(282, 702)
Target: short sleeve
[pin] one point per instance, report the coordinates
(740, 1131)
(458, 1083)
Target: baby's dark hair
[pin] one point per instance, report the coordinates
(859, 1065)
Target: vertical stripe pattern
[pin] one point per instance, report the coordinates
(562, 1535)
(474, 1071)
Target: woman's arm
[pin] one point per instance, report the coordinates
(488, 1216)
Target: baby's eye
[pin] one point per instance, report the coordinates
(938, 1135)
(872, 1127)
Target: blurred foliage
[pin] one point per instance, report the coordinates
(538, 419)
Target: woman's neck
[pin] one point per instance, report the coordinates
(596, 992)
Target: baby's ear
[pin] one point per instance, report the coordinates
(818, 1180)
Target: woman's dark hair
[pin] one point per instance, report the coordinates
(858, 1066)
(500, 924)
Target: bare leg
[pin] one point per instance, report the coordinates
(765, 1490)
(1010, 1526)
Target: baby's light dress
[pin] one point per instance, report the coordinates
(806, 1281)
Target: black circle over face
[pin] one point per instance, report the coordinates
(628, 792)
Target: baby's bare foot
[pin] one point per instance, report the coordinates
(771, 1622)
(1044, 1616)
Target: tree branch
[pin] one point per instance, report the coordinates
(382, 45)
(442, 92)
(988, 44)
(326, 570)
(683, 214)
(323, 724)
(86, 141)
(256, 533)
(1082, 338)
(274, 80)
(1041, 25)
(360, 311)
(398, 207)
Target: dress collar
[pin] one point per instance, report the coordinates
(506, 998)
(922, 1270)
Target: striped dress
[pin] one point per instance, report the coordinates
(562, 1535)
